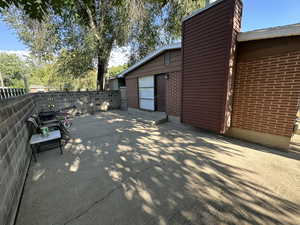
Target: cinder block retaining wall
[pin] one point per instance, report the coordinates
(15, 151)
(85, 102)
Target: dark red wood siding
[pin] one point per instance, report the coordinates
(208, 55)
(132, 93)
(157, 65)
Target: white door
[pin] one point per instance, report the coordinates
(146, 92)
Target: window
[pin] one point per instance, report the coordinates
(167, 58)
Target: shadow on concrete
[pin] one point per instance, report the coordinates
(117, 171)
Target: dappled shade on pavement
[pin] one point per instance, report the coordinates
(117, 171)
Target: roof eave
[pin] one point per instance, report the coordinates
(269, 33)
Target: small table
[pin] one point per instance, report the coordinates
(38, 139)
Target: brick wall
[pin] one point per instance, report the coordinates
(14, 152)
(266, 93)
(85, 101)
(174, 94)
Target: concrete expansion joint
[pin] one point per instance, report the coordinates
(107, 195)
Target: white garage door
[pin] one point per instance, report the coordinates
(146, 92)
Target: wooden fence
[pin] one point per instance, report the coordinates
(11, 92)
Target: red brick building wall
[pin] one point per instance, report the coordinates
(267, 86)
(174, 94)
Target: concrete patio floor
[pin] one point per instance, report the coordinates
(117, 171)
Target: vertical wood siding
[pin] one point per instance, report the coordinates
(132, 93)
(209, 40)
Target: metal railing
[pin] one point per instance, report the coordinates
(11, 92)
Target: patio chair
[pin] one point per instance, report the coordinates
(40, 143)
(52, 125)
(45, 123)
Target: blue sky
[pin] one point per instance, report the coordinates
(268, 13)
(256, 14)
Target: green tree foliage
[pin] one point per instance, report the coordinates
(13, 70)
(79, 35)
(49, 76)
(75, 63)
(87, 82)
(35, 9)
(45, 75)
(115, 70)
(162, 26)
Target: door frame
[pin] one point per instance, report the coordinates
(155, 91)
(138, 94)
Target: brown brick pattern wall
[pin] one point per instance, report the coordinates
(174, 94)
(14, 152)
(266, 93)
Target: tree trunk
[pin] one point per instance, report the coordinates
(1, 80)
(100, 73)
(26, 84)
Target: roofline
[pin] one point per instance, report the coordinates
(198, 11)
(268, 33)
(149, 57)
